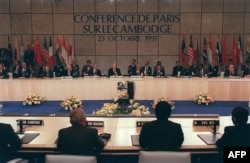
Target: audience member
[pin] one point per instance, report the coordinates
(58, 69)
(161, 134)
(199, 70)
(3, 72)
(79, 139)
(239, 134)
(213, 69)
(177, 69)
(138, 70)
(159, 71)
(75, 67)
(230, 71)
(87, 68)
(24, 71)
(246, 70)
(132, 68)
(16, 68)
(70, 72)
(114, 71)
(159, 64)
(47, 72)
(146, 69)
(192, 68)
(41, 69)
(9, 141)
(95, 71)
(29, 56)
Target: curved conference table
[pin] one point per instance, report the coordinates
(121, 128)
(147, 88)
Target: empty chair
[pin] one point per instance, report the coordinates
(69, 159)
(164, 157)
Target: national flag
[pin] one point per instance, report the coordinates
(70, 51)
(58, 51)
(209, 50)
(248, 48)
(224, 52)
(239, 52)
(45, 52)
(10, 50)
(38, 55)
(21, 50)
(218, 50)
(32, 43)
(196, 50)
(234, 52)
(51, 56)
(204, 54)
(64, 52)
(183, 53)
(190, 51)
(17, 50)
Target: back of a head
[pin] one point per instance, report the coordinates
(239, 115)
(77, 116)
(162, 110)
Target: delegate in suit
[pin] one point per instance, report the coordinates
(239, 134)
(79, 139)
(9, 141)
(161, 134)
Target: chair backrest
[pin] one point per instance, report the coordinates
(49, 158)
(164, 157)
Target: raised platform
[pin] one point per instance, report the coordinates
(53, 108)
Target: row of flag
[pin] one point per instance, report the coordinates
(45, 54)
(191, 53)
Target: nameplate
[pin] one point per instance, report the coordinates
(95, 124)
(234, 77)
(206, 122)
(186, 76)
(116, 77)
(140, 123)
(67, 77)
(33, 122)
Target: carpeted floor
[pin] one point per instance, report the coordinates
(47, 108)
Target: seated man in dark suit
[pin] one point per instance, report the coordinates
(16, 68)
(95, 71)
(47, 72)
(239, 134)
(246, 69)
(161, 134)
(159, 71)
(70, 72)
(132, 68)
(24, 71)
(177, 69)
(114, 71)
(86, 69)
(79, 139)
(75, 67)
(230, 71)
(213, 69)
(59, 69)
(3, 72)
(9, 141)
(146, 69)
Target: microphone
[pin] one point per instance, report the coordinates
(21, 129)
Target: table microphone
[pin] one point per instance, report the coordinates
(214, 128)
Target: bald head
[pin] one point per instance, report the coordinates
(77, 116)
